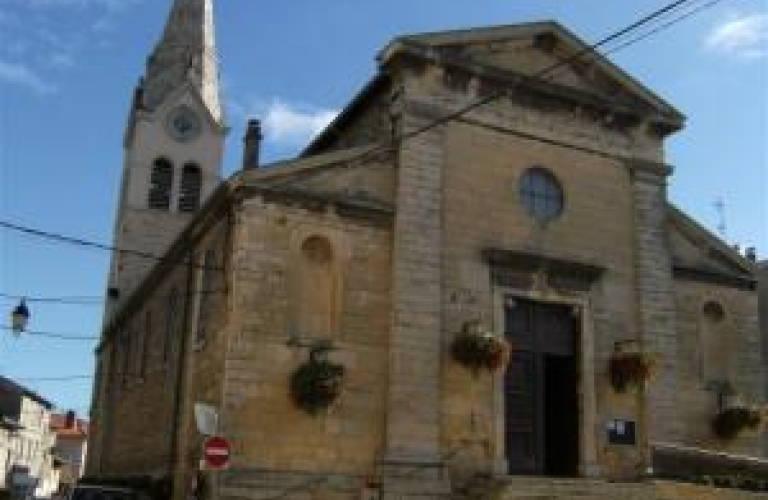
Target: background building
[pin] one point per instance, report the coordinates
(26, 441)
(70, 448)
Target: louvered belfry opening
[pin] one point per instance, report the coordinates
(161, 182)
(191, 182)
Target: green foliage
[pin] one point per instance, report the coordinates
(316, 384)
(477, 349)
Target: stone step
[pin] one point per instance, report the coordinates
(543, 488)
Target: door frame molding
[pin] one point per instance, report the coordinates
(588, 420)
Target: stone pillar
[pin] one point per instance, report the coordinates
(412, 454)
(655, 297)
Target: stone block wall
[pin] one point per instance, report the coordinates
(266, 344)
(150, 364)
(727, 349)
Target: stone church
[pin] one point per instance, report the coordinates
(538, 221)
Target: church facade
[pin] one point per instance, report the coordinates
(540, 218)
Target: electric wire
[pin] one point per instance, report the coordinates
(63, 378)
(53, 335)
(658, 14)
(75, 300)
(665, 11)
(84, 300)
(61, 238)
(664, 26)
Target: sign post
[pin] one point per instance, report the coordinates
(216, 451)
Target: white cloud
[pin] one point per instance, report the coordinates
(112, 5)
(744, 36)
(19, 74)
(284, 124)
(294, 125)
(102, 25)
(60, 60)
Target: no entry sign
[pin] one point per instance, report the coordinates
(216, 450)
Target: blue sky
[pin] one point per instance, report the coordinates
(68, 67)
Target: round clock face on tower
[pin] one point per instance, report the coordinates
(183, 124)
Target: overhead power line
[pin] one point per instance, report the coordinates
(664, 26)
(77, 300)
(61, 238)
(660, 14)
(83, 300)
(64, 378)
(359, 159)
(55, 335)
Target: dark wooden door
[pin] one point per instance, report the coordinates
(539, 333)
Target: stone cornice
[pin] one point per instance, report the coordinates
(535, 262)
(649, 169)
(708, 276)
(662, 123)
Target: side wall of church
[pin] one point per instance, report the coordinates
(209, 322)
(719, 344)
(129, 398)
(154, 359)
(303, 276)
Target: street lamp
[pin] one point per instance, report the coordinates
(19, 318)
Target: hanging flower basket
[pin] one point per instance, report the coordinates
(731, 421)
(477, 348)
(630, 369)
(316, 384)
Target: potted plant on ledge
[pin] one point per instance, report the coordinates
(477, 348)
(630, 369)
(731, 421)
(316, 383)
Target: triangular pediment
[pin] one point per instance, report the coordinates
(694, 249)
(528, 49)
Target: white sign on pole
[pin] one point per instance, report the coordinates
(207, 419)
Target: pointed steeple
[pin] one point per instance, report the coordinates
(186, 53)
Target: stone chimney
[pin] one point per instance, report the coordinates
(252, 145)
(751, 254)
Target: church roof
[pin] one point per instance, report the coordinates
(699, 255)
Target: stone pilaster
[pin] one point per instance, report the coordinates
(655, 297)
(413, 409)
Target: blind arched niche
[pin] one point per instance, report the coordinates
(314, 288)
(716, 341)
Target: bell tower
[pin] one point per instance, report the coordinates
(173, 146)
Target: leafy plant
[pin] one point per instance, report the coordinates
(477, 348)
(628, 369)
(731, 421)
(316, 384)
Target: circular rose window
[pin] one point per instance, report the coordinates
(541, 194)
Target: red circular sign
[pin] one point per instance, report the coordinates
(216, 451)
